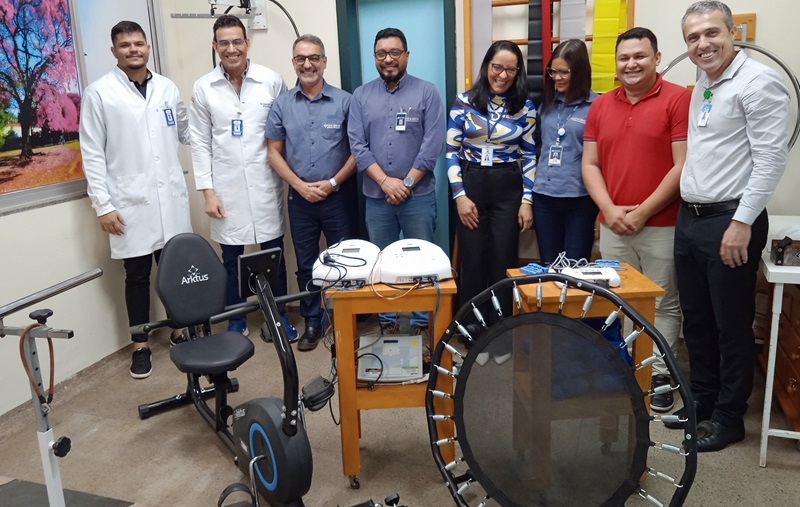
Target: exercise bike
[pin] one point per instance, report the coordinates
(267, 435)
(49, 449)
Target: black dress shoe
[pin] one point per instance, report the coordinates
(310, 339)
(702, 415)
(716, 436)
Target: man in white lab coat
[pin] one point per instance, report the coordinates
(131, 123)
(243, 195)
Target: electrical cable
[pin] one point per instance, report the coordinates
(36, 389)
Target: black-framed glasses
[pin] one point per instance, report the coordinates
(558, 72)
(394, 53)
(498, 69)
(300, 59)
(225, 44)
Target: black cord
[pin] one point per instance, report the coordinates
(296, 31)
(371, 383)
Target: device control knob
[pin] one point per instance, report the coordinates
(62, 446)
(392, 500)
(41, 316)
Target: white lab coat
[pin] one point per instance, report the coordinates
(236, 166)
(130, 158)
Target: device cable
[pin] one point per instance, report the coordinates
(45, 401)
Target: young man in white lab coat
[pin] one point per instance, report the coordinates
(243, 195)
(131, 123)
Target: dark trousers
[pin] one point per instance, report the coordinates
(564, 224)
(230, 256)
(334, 217)
(137, 290)
(718, 305)
(491, 248)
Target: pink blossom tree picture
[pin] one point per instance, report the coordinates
(39, 95)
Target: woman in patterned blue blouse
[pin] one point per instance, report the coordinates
(565, 213)
(491, 160)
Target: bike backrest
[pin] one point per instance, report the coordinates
(191, 280)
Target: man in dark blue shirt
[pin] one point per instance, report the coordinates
(396, 130)
(307, 146)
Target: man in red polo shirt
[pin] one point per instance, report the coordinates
(633, 153)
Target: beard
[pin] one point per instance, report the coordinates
(389, 78)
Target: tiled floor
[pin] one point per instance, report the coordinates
(174, 459)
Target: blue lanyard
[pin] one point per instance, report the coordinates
(561, 130)
(492, 128)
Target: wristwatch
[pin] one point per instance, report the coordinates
(334, 185)
(408, 181)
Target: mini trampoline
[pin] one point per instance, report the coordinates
(547, 411)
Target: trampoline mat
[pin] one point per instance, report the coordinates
(544, 402)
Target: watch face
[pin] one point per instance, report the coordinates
(408, 181)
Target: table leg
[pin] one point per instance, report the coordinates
(643, 345)
(777, 305)
(345, 332)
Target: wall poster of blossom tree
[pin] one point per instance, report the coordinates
(39, 96)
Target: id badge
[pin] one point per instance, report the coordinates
(487, 155)
(554, 156)
(705, 112)
(169, 116)
(400, 122)
(237, 128)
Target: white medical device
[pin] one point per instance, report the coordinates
(413, 260)
(593, 274)
(400, 358)
(348, 262)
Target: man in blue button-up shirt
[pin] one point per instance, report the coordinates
(396, 131)
(308, 147)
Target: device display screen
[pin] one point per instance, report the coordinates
(411, 249)
(592, 273)
(350, 250)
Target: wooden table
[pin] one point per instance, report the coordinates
(635, 288)
(346, 305)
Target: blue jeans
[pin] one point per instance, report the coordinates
(230, 254)
(564, 224)
(415, 218)
(336, 218)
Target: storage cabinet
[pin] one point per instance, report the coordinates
(787, 362)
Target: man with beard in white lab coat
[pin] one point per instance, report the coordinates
(243, 195)
(131, 123)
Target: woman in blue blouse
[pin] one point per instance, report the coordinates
(491, 160)
(565, 213)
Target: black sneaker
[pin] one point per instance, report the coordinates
(664, 401)
(141, 367)
(176, 339)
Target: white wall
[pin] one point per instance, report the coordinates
(45, 246)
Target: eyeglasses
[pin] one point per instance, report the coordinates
(394, 53)
(558, 72)
(300, 59)
(498, 69)
(225, 44)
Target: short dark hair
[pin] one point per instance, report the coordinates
(126, 27)
(313, 39)
(391, 32)
(638, 33)
(228, 21)
(573, 52)
(517, 94)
